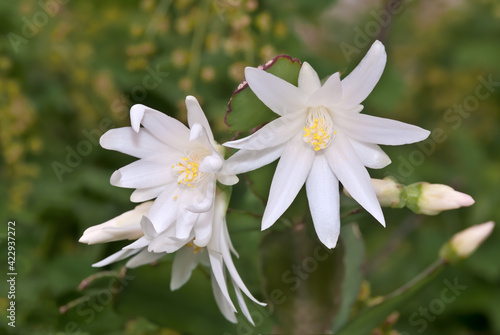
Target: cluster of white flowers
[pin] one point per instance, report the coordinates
(320, 136)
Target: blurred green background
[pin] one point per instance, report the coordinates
(70, 70)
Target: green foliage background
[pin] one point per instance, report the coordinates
(70, 70)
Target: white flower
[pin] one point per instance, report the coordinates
(321, 138)
(177, 166)
(435, 198)
(123, 227)
(217, 255)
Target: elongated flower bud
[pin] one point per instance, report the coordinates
(432, 199)
(123, 227)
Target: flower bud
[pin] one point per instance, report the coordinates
(464, 243)
(125, 226)
(432, 199)
(388, 192)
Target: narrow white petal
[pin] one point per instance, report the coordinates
(277, 94)
(377, 130)
(371, 155)
(127, 141)
(329, 94)
(144, 257)
(308, 79)
(166, 242)
(117, 256)
(291, 173)
(185, 261)
(217, 265)
(148, 228)
(144, 194)
(361, 81)
(165, 208)
(272, 134)
(323, 196)
(207, 201)
(242, 304)
(224, 306)
(249, 160)
(138, 244)
(196, 115)
(348, 168)
(227, 179)
(203, 229)
(184, 224)
(163, 127)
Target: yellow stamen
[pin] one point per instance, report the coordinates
(318, 129)
(196, 248)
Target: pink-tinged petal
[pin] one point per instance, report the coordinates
(144, 194)
(249, 160)
(323, 196)
(370, 154)
(196, 115)
(272, 134)
(329, 94)
(224, 306)
(117, 256)
(348, 168)
(377, 130)
(185, 261)
(361, 81)
(291, 173)
(277, 94)
(127, 141)
(147, 172)
(144, 257)
(163, 127)
(308, 79)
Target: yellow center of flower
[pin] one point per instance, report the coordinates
(318, 129)
(196, 248)
(187, 170)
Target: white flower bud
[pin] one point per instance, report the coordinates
(125, 226)
(388, 192)
(435, 198)
(467, 241)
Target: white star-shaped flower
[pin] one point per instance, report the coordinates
(321, 138)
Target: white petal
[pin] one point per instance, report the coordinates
(329, 94)
(242, 304)
(147, 172)
(165, 208)
(370, 154)
(138, 244)
(217, 265)
(222, 303)
(308, 79)
(207, 201)
(277, 94)
(291, 173)
(249, 160)
(227, 179)
(348, 168)
(377, 130)
(212, 163)
(203, 229)
(323, 196)
(163, 127)
(185, 261)
(272, 134)
(144, 257)
(143, 194)
(196, 115)
(117, 256)
(148, 228)
(184, 224)
(127, 141)
(361, 81)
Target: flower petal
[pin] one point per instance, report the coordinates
(165, 208)
(323, 196)
(129, 142)
(348, 168)
(224, 306)
(272, 134)
(308, 79)
(242, 304)
(291, 173)
(117, 256)
(370, 154)
(163, 127)
(361, 81)
(196, 115)
(207, 201)
(185, 261)
(217, 265)
(249, 160)
(144, 257)
(329, 94)
(203, 229)
(377, 130)
(277, 94)
(144, 194)
(184, 224)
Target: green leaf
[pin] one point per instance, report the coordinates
(302, 280)
(245, 110)
(354, 260)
